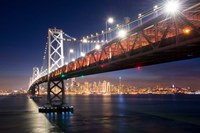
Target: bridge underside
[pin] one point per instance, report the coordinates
(56, 93)
(145, 56)
(162, 39)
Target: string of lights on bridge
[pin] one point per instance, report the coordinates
(171, 6)
(97, 40)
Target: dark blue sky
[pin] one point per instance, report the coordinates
(23, 32)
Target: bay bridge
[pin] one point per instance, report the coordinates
(168, 32)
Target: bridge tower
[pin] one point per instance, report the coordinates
(55, 88)
(35, 75)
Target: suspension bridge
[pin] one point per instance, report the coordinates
(168, 32)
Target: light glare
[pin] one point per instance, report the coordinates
(155, 7)
(85, 41)
(172, 6)
(186, 30)
(139, 15)
(97, 47)
(71, 51)
(110, 20)
(82, 54)
(122, 33)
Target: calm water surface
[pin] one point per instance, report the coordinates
(18, 114)
(104, 114)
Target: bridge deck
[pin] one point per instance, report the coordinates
(161, 39)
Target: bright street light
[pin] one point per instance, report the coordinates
(155, 7)
(172, 6)
(97, 47)
(122, 33)
(71, 51)
(186, 30)
(85, 41)
(110, 20)
(82, 54)
(139, 15)
(73, 59)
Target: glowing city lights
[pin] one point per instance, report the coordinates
(159, 23)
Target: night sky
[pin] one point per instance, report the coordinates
(23, 36)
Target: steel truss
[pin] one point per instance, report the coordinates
(56, 93)
(55, 49)
(35, 74)
(55, 89)
(152, 34)
(155, 41)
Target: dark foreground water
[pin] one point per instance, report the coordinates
(105, 114)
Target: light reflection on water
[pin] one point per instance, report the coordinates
(118, 113)
(125, 113)
(19, 114)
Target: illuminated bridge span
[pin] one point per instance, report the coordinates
(166, 33)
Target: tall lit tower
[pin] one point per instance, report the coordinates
(55, 49)
(55, 90)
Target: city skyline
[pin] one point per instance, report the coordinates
(24, 31)
(161, 74)
(74, 87)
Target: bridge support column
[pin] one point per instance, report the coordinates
(35, 92)
(32, 92)
(56, 98)
(56, 93)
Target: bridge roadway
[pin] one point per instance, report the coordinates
(157, 41)
(139, 57)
